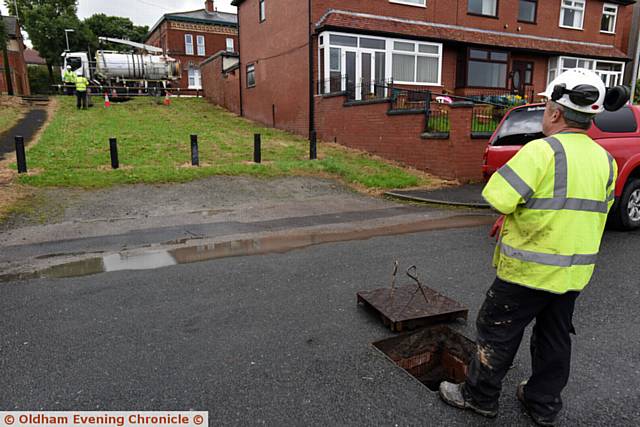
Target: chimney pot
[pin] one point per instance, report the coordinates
(209, 6)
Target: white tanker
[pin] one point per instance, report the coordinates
(150, 68)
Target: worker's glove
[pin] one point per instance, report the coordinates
(497, 227)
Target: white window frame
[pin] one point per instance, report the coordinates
(594, 64)
(230, 45)
(410, 3)
(262, 10)
(563, 7)
(614, 14)
(192, 72)
(188, 46)
(202, 51)
(389, 50)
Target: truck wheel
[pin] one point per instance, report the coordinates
(626, 213)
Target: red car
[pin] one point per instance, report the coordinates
(618, 132)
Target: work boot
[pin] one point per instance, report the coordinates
(452, 395)
(538, 419)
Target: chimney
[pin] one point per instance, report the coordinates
(208, 5)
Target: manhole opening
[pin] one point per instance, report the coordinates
(431, 355)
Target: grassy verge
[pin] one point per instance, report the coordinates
(153, 144)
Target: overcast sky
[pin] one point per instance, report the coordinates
(141, 12)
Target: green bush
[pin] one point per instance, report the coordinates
(39, 79)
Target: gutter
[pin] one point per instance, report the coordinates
(240, 65)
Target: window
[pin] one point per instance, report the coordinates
(251, 75)
(483, 7)
(422, 3)
(610, 72)
(194, 78)
(620, 121)
(527, 11)
(370, 62)
(188, 44)
(200, 41)
(487, 68)
(609, 16)
(230, 46)
(416, 63)
(262, 10)
(572, 14)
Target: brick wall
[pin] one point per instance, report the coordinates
(18, 68)
(398, 137)
(278, 47)
(170, 36)
(455, 13)
(222, 89)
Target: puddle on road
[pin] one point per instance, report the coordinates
(259, 246)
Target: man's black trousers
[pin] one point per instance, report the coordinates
(506, 312)
(82, 99)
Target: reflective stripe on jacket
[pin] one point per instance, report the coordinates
(81, 84)
(69, 77)
(556, 193)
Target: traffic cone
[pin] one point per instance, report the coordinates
(167, 99)
(114, 93)
(107, 103)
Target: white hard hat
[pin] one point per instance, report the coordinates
(579, 90)
(68, 67)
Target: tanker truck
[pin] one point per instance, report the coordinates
(147, 70)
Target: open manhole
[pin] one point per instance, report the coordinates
(431, 355)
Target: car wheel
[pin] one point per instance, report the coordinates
(626, 212)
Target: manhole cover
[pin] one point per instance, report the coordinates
(431, 355)
(406, 308)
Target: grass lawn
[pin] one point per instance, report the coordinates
(154, 147)
(9, 116)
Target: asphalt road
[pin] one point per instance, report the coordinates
(279, 340)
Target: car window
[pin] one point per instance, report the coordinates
(75, 62)
(520, 126)
(620, 121)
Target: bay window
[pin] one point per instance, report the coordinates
(611, 72)
(364, 65)
(572, 14)
(609, 17)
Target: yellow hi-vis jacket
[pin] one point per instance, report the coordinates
(556, 193)
(69, 76)
(81, 84)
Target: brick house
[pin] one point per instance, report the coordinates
(313, 50)
(17, 64)
(193, 36)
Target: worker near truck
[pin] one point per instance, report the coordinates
(81, 92)
(554, 196)
(69, 80)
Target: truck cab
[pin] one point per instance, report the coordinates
(616, 131)
(79, 62)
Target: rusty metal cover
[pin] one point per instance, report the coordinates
(404, 307)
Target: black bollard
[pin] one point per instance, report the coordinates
(313, 146)
(257, 154)
(21, 156)
(195, 158)
(113, 148)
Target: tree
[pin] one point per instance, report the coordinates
(45, 22)
(116, 27)
(4, 39)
